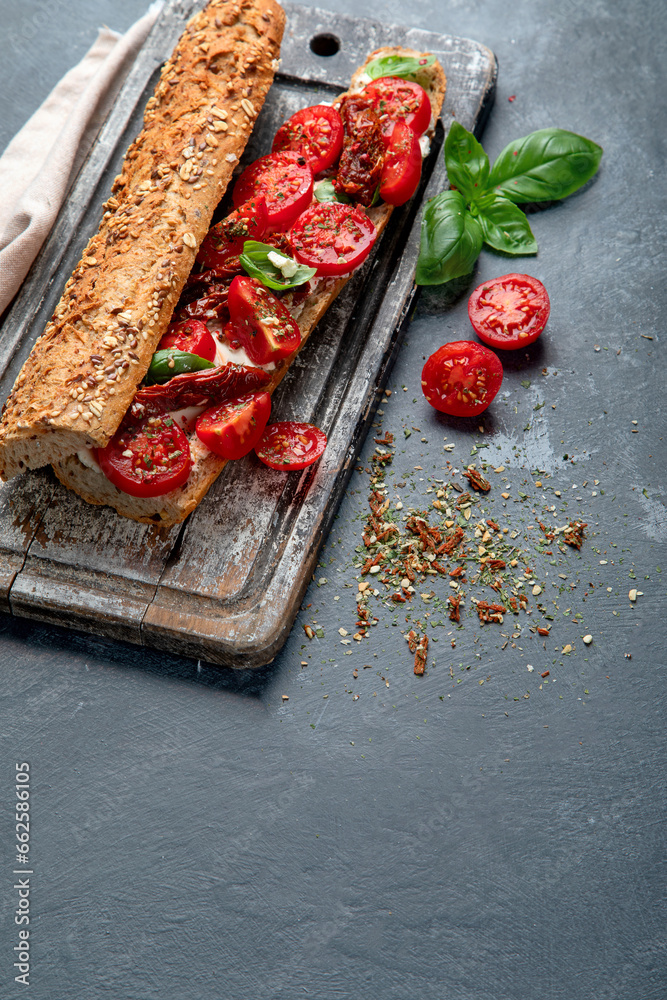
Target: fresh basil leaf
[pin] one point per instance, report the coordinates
(325, 191)
(451, 239)
(403, 66)
(255, 262)
(504, 226)
(545, 166)
(168, 363)
(467, 163)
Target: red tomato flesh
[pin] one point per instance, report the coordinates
(284, 180)
(332, 237)
(190, 335)
(509, 312)
(402, 166)
(232, 429)
(316, 133)
(224, 241)
(260, 322)
(290, 445)
(147, 458)
(394, 99)
(462, 378)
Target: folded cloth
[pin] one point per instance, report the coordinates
(43, 159)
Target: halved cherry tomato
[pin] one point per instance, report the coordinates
(461, 378)
(224, 241)
(290, 445)
(509, 312)
(332, 237)
(190, 335)
(402, 166)
(261, 322)
(147, 458)
(394, 99)
(315, 132)
(284, 180)
(232, 429)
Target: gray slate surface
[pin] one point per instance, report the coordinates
(193, 835)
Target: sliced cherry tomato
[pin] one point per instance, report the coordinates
(285, 181)
(261, 322)
(224, 241)
(289, 445)
(190, 335)
(316, 133)
(509, 312)
(232, 429)
(402, 166)
(394, 99)
(462, 378)
(147, 458)
(332, 237)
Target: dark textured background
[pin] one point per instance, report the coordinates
(194, 835)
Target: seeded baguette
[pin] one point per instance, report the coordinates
(81, 377)
(171, 508)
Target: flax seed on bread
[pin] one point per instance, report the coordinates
(175, 506)
(83, 372)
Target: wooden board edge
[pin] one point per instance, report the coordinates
(82, 599)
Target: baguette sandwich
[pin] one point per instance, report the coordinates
(61, 410)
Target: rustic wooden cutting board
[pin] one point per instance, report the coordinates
(226, 585)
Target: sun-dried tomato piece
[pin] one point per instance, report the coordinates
(421, 653)
(476, 479)
(375, 561)
(451, 541)
(213, 385)
(574, 534)
(361, 161)
(491, 612)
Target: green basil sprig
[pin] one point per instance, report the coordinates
(255, 262)
(403, 66)
(165, 364)
(451, 240)
(544, 166)
(504, 226)
(325, 191)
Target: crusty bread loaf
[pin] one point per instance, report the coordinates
(83, 372)
(175, 506)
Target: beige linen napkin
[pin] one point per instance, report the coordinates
(43, 159)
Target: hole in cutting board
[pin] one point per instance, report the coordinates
(324, 45)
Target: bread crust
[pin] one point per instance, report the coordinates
(83, 372)
(171, 508)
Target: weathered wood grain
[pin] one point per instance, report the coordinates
(23, 502)
(88, 568)
(226, 586)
